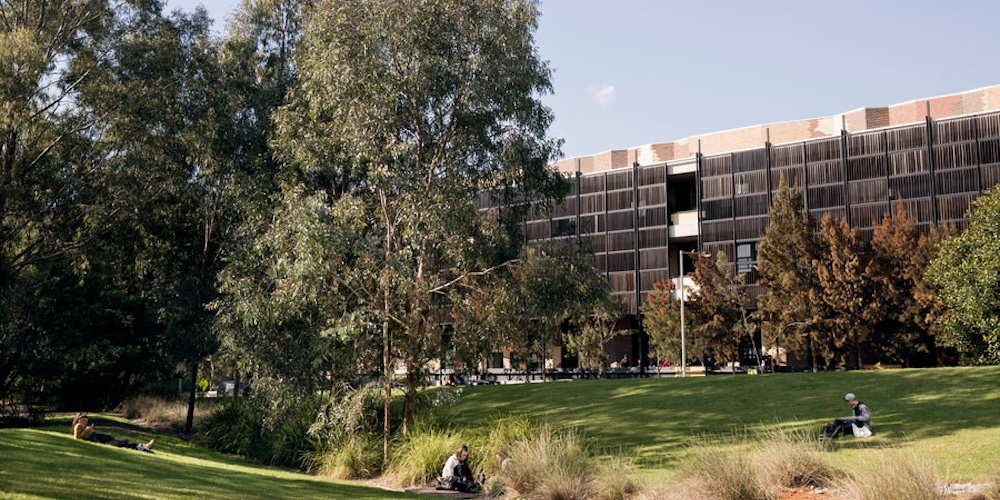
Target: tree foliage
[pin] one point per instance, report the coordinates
(401, 115)
(662, 321)
(791, 310)
(904, 303)
(966, 273)
(846, 289)
(721, 304)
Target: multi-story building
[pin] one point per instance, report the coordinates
(640, 207)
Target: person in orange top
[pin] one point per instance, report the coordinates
(86, 432)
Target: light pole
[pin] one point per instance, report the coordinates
(683, 340)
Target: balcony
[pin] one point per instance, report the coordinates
(684, 224)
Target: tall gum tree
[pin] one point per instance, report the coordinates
(55, 196)
(412, 108)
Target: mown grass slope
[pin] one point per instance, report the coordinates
(47, 462)
(948, 415)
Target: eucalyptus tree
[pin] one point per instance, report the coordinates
(592, 331)
(559, 289)
(407, 110)
(257, 56)
(55, 197)
(549, 296)
(161, 99)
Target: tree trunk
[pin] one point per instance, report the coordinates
(411, 397)
(386, 310)
(194, 388)
(857, 348)
(812, 354)
(386, 431)
(236, 386)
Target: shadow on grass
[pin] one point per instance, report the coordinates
(50, 464)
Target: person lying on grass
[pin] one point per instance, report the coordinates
(86, 432)
(858, 424)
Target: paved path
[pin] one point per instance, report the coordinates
(440, 493)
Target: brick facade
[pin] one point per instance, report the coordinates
(965, 103)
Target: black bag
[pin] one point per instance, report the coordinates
(447, 484)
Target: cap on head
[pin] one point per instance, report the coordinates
(849, 396)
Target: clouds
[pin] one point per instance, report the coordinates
(603, 95)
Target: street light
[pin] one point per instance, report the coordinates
(681, 281)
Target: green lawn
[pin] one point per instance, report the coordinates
(48, 463)
(948, 415)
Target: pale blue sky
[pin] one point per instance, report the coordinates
(632, 72)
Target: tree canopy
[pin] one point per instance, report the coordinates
(966, 273)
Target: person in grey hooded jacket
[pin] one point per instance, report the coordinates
(858, 424)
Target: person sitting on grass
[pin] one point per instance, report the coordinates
(86, 432)
(858, 424)
(456, 474)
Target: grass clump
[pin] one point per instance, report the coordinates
(901, 476)
(792, 460)
(724, 475)
(618, 479)
(422, 454)
(551, 465)
(757, 466)
(521, 459)
(163, 412)
(358, 458)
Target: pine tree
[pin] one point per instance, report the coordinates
(906, 307)
(846, 288)
(791, 310)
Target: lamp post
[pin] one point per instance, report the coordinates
(683, 340)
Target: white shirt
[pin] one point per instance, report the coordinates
(449, 467)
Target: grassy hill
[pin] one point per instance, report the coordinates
(948, 415)
(48, 463)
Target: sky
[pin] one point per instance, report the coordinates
(632, 72)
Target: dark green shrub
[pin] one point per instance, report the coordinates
(270, 427)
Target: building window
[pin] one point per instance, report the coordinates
(746, 255)
(563, 227)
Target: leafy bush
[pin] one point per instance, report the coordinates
(349, 413)
(230, 428)
(270, 427)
